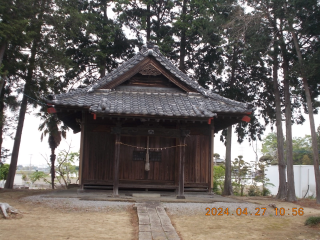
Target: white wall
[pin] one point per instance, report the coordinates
(17, 181)
(303, 176)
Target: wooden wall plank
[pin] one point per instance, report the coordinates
(198, 158)
(204, 159)
(98, 155)
(210, 186)
(135, 170)
(116, 165)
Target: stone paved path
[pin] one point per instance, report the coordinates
(154, 223)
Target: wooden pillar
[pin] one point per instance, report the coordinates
(211, 165)
(82, 140)
(181, 167)
(116, 163)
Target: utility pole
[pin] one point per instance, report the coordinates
(30, 163)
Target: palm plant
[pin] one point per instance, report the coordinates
(50, 126)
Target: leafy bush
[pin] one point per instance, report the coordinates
(312, 221)
(38, 175)
(25, 177)
(236, 189)
(4, 170)
(311, 197)
(265, 192)
(218, 179)
(253, 191)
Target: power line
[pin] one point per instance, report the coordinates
(41, 103)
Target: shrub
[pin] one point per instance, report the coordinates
(312, 221)
(4, 170)
(25, 177)
(215, 188)
(38, 175)
(253, 191)
(311, 197)
(236, 189)
(218, 179)
(265, 192)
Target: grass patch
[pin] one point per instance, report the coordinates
(312, 221)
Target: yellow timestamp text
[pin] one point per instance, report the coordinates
(259, 211)
(239, 211)
(289, 212)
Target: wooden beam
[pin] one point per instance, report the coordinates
(171, 77)
(116, 166)
(143, 186)
(211, 165)
(127, 75)
(149, 131)
(136, 69)
(181, 168)
(83, 128)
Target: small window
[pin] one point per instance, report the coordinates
(139, 156)
(155, 156)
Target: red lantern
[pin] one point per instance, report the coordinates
(51, 110)
(246, 119)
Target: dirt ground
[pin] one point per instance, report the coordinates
(268, 226)
(39, 221)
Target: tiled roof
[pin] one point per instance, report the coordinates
(148, 100)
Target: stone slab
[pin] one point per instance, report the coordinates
(146, 195)
(145, 236)
(172, 235)
(144, 222)
(168, 228)
(156, 228)
(143, 214)
(154, 222)
(144, 228)
(158, 235)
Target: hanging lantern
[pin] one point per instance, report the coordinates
(246, 119)
(51, 110)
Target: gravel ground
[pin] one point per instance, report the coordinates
(75, 204)
(201, 208)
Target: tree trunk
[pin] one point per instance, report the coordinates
(105, 9)
(281, 163)
(227, 182)
(183, 40)
(148, 23)
(5, 207)
(2, 51)
(311, 118)
(103, 62)
(291, 194)
(53, 171)
(238, 170)
(16, 145)
(2, 119)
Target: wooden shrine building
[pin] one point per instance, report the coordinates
(147, 125)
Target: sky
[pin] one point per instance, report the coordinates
(33, 151)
